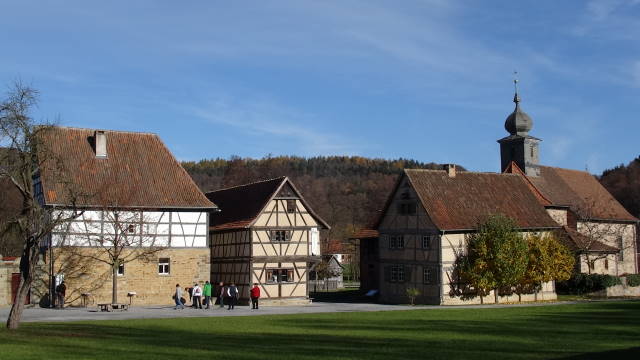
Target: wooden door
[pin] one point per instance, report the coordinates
(15, 282)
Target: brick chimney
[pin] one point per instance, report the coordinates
(101, 144)
(451, 170)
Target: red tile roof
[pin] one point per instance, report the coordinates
(365, 234)
(138, 172)
(582, 243)
(581, 191)
(241, 205)
(464, 201)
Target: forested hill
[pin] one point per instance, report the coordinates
(345, 191)
(624, 183)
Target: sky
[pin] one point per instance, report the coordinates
(430, 80)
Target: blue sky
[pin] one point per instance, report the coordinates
(429, 80)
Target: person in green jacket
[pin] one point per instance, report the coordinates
(206, 291)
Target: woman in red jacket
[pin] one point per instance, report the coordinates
(255, 295)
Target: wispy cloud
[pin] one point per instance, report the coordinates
(262, 118)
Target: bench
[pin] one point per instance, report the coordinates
(108, 307)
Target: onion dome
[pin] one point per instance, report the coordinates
(518, 123)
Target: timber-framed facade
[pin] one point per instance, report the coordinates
(267, 234)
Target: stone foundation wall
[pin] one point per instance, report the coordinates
(187, 266)
(7, 267)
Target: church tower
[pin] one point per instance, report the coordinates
(519, 146)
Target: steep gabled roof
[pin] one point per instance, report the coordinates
(578, 242)
(464, 201)
(241, 205)
(580, 191)
(138, 171)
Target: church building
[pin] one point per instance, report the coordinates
(429, 213)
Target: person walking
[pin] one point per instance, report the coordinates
(232, 296)
(197, 295)
(177, 296)
(61, 291)
(255, 295)
(206, 291)
(221, 293)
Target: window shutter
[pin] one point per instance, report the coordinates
(387, 273)
(407, 273)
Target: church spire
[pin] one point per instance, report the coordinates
(519, 147)
(518, 123)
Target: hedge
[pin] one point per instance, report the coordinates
(588, 283)
(633, 280)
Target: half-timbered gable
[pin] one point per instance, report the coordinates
(126, 186)
(266, 233)
(426, 220)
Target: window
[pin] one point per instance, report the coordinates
(280, 235)
(163, 266)
(397, 273)
(620, 246)
(428, 276)
(606, 264)
(279, 275)
(131, 228)
(396, 242)
(120, 269)
(291, 206)
(407, 208)
(426, 241)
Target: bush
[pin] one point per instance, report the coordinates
(587, 283)
(633, 280)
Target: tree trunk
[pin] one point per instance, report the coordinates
(481, 300)
(495, 293)
(27, 266)
(114, 287)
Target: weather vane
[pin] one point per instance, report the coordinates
(515, 80)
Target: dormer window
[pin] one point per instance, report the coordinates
(101, 144)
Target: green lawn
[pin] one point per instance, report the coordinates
(588, 330)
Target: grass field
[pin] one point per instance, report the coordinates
(590, 330)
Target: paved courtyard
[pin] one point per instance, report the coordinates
(155, 312)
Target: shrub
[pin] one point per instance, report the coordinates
(587, 283)
(633, 280)
(412, 293)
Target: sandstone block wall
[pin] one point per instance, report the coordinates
(187, 266)
(6, 269)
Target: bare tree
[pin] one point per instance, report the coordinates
(118, 234)
(21, 164)
(592, 232)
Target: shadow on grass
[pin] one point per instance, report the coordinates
(572, 332)
(342, 296)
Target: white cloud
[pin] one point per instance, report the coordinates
(274, 122)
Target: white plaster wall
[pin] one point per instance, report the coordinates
(173, 229)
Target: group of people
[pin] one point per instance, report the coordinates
(227, 294)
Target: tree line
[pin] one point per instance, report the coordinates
(346, 191)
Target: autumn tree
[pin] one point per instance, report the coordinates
(495, 258)
(548, 260)
(22, 160)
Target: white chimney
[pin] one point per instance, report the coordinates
(101, 144)
(451, 170)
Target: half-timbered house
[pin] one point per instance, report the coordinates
(130, 194)
(266, 233)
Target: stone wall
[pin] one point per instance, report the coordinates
(187, 266)
(8, 266)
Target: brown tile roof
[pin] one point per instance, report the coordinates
(365, 234)
(241, 205)
(463, 201)
(580, 191)
(581, 243)
(139, 171)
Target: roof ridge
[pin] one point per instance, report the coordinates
(461, 172)
(248, 184)
(102, 129)
(566, 169)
